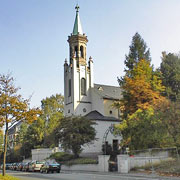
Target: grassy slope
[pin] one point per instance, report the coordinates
(8, 177)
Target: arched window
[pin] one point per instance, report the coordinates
(71, 52)
(83, 86)
(82, 51)
(69, 87)
(76, 51)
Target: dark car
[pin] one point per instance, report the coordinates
(14, 166)
(20, 166)
(50, 167)
(25, 167)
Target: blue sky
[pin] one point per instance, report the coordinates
(33, 38)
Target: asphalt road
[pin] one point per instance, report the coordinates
(85, 176)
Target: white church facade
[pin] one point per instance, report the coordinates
(82, 97)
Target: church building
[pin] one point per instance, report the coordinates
(85, 98)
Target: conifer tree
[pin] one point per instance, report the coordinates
(138, 50)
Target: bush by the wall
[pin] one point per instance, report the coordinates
(61, 156)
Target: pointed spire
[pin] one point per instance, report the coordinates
(77, 24)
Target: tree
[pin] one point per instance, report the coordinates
(169, 115)
(13, 108)
(41, 133)
(141, 90)
(34, 136)
(21, 133)
(1, 143)
(20, 140)
(52, 108)
(138, 51)
(74, 132)
(170, 69)
(143, 130)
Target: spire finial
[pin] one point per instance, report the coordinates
(77, 8)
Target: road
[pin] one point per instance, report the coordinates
(85, 176)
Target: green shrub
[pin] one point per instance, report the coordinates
(6, 177)
(81, 161)
(61, 156)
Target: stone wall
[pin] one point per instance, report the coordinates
(42, 154)
(144, 161)
(81, 167)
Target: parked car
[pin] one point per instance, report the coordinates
(35, 165)
(20, 166)
(25, 166)
(14, 166)
(50, 167)
(8, 165)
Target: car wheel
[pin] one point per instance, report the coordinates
(58, 171)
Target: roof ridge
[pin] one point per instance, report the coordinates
(106, 85)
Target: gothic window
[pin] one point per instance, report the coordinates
(76, 51)
(70, 52)
(82, 51)
(69, 87)
(83, 86)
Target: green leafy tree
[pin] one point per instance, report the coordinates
(74, 132)
(20, 141)
(143, 130)
(41, 133)
(13, 108)
(169, 115)
(34, 136)
(170, 69)
(21, 133)
(52, 108)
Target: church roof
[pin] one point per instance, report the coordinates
(95, 115)
(77, 24)
(108, 92)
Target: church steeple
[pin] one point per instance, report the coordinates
(77, 24)
(77, 42)
(78, 73)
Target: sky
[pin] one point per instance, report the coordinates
(34, 33)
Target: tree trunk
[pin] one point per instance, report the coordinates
(5, 150)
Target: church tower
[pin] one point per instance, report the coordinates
(78, 74)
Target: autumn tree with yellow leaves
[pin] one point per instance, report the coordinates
(13, 108)
(142, 90)
(140, 128)
(141, 95)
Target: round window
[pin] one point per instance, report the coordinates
(84, 110)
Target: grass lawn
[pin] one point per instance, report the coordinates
(6, 177)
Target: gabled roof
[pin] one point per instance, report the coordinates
(108, 92)
(95, 115)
